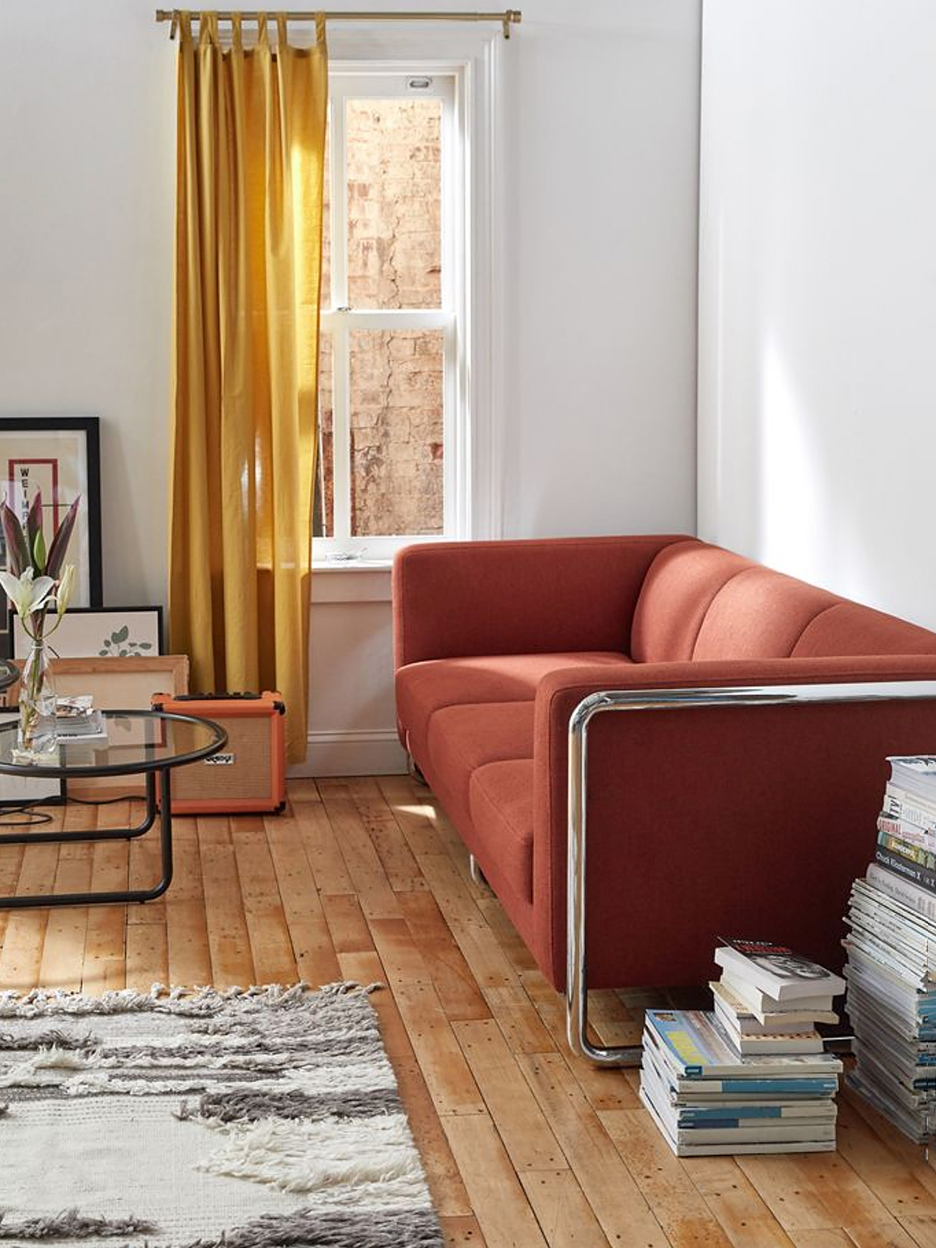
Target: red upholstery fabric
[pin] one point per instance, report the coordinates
(455, 599)
(708, 820)
(500, 801)
(678, 590)
(463, 738)
(701, 821)
(759, 614)
(424, 688)
(847, 628)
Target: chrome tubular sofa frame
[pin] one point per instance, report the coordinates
(658, 700)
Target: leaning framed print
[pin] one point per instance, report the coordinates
(98, 633)
(59, 455)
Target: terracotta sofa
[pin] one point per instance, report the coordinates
(701, 822)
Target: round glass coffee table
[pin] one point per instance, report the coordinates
(150, 743)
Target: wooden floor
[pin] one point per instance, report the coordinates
(524, 1145)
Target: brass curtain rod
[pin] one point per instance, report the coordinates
(506, 18)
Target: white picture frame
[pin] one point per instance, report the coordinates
(99, 632)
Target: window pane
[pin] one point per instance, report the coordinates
(396, 432)
(394, 203)
(323, 510)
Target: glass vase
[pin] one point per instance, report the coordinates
(37, 703)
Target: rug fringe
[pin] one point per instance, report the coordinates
(200, 997)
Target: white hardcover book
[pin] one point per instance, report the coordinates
(777, 971)
(729, 1006)
(769, 1042)
(765, 1008)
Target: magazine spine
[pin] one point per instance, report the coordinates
(902, 890)
(922, 876)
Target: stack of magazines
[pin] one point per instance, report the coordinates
(891, 946)
(743, 1078)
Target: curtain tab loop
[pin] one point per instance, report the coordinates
(320, 29)
(237, 24)
(263, 37)
(207, 29)
(185, 26)
(282, 31)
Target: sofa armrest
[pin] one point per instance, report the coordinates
(455, 599)
(717, 812)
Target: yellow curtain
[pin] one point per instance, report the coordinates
(251, 143)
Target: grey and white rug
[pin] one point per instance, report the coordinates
(253, 1119)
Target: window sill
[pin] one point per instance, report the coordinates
(351, 565)
(355, 580)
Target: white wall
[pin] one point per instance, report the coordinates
(817, 315)
(600, 158)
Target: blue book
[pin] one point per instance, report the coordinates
(694, 1048)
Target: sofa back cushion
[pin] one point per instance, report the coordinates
(702, 602)
(678, 590)
(848, 628)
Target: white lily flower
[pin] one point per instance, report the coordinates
(65, 587)
(27, 595)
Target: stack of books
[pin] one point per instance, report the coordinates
(77, 720)
(891, 945)
(750, 1076)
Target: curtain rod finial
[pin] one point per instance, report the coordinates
(511, 15)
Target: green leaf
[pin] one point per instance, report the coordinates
(122, 633)
(146, 645)
(39, 551)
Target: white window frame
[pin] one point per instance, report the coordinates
(363, 59)
(342, 320)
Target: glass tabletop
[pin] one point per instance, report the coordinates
(9, 673)
(136, 741)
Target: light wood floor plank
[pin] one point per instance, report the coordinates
(500, 1203)
(606, 1181)
(520, 1122)
(524, 1144)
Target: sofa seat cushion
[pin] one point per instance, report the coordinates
(424, 688)
(500, 798)
(464, 738)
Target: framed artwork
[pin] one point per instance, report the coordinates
(99, 632)
(125, 684)
(59, 455)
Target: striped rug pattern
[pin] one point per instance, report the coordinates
(243, 1119)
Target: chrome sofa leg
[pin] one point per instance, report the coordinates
(477, 875)
(413, 771)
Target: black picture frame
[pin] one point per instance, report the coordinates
(62, 456)
(151, 617)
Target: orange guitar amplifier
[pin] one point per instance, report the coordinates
(249, 774)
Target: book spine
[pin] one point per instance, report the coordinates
(913, 853)
(905, 831)
(902, 890)
(906, 868)
(898, 804)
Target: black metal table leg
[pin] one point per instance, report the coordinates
(104, 834)
(111, 897)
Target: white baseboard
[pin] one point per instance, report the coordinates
(369, 752)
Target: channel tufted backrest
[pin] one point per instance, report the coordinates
(702, 602)
(678, 590)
